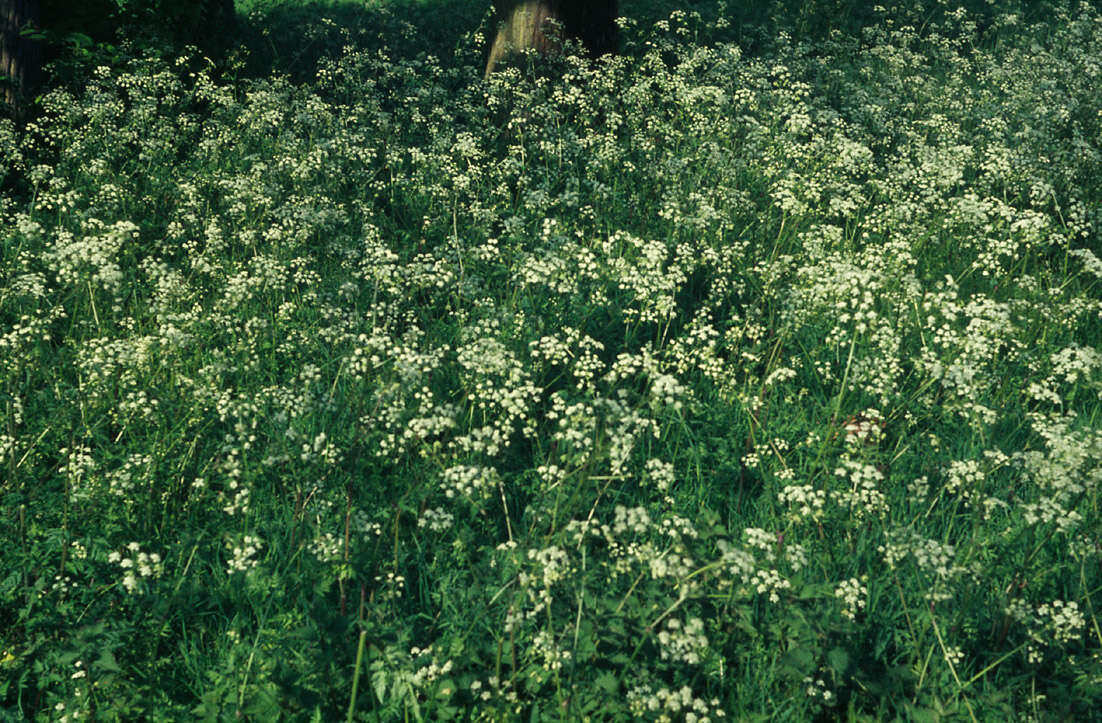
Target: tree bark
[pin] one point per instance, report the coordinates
(541, 25)
(20, 57)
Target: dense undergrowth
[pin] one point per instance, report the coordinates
(689, 385)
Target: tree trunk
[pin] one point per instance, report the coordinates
(541, 25)
(20, 57)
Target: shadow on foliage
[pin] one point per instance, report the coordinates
(290, 38)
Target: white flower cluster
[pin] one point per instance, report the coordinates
(321, 449)
(684, 643)
(1046, 510)
(738, 562)
(863, 498)
(771, 582)
(954, 655)
(437, 519)
(552, 475)
(1070, 466)
(764, 541)
(391, 586)
(634, 519)
(78, 466)
(1063, 620)
(430, 673)
(1076, 361)
(122, 480)
(470, 481)
(919, 488)
(865, 428)
(574, 350)
(660, 474)
(853, 595)
(17, 340)
(553, 562)
(362, 523)
(677, 528)
(804, 500)
(964, 475)
(667, 392)
(933, 558)
(817, 690)
(326, 547)
(641, 269)
(665, 704)
(239, 504)
(137, 565)
(1058, 622)
(662, 565)
(549, 654)
(241, 554)
(94, 255)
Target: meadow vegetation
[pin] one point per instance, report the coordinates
(710, 381)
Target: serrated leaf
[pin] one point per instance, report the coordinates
(798, 662)
(608, 683)
(106, 663)
(838, 658)
(378, 684)
(923, 715)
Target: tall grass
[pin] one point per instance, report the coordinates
(684, 386)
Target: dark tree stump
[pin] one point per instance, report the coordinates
(542, 25)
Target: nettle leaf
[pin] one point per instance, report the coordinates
(798, 663)
(838, 658)
(264, 704)
(923, 715)
(608, 682)
(106, 663)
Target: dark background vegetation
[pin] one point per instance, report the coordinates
(284, 37)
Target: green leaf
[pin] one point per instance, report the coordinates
(106, 663)
(607, 682)
(446, 688)
(378, 684)
(838, 658)
(797, 663)
(922, 715)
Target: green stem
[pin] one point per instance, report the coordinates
(356, 676)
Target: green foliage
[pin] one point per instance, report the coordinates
(84, 34)
(684, 385)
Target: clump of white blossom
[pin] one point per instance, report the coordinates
(243, 554)
(667, 704)
(685, 642)
(137, 566)
(854, 595)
